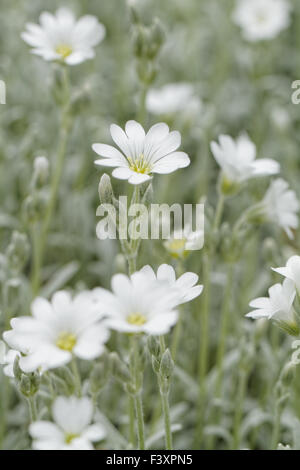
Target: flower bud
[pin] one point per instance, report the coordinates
(17, 251)
(29, 384)
(119, 370)
(153, 346)
(17, 369)
(166, 365)
(157, 38)
(105, 190)
(41, 171)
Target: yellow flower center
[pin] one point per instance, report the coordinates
(64, 50)
(66, 341)
(136, 319)
(69, 437)
(139, 165)
(177, 244)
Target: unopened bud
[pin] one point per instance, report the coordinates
(166, 365)
(41, 171)
(29, 384)
(17, 369)
(105, 190)
(153, 346)
(17, 251)
(157, 38)
(119, 369)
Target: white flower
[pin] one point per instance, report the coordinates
(181, 242)
(7, 359)
(138, 304)
(291, 271)
(71, 429)
(280, 205)
(58, 330)
(173, 98)
(277, 307)
(262, 19)
(237, 159)
(185, 284)
(142, 154)
(60, 37)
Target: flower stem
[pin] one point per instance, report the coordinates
(224, 329)
(140, 420)
(77, 378)
(137, 374)
(219, 211)
(166, 411)
(203, 349)
(32, 408)
(41, 241)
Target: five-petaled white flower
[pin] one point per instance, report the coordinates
(7, 359)
(262, 19)
(278, 307)
(138, 304)
(185, 284)
(59, 330)
(71, 429)
(291, 271)
(60, 37)
(142, 154)
(280, 205)
(237, 160)
(173, 98)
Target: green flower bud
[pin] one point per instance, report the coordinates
(166, 365)
(17, 251)
(17, 370)
(119, 370)
(29, 384)
(105, 190)
(153, 346)
(155, 364)
(40, 171)
(157, 38)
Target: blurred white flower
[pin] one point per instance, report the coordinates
(237, 159)
(185, 284)
(7, 359)
(142, 154)
(58, 330)
(277, 307)
(262, 19)
(181, 242)
(173, 98)
(291, 271)
(138, 304)
(60, 37)
(280, 205)
(71, 429)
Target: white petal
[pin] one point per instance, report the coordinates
(72, 414)
(122, 173)
(94, 433)
(138, 178)
(166, 272)
(171, 163)
(45, 430)
(120, 138)
(91, 342)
